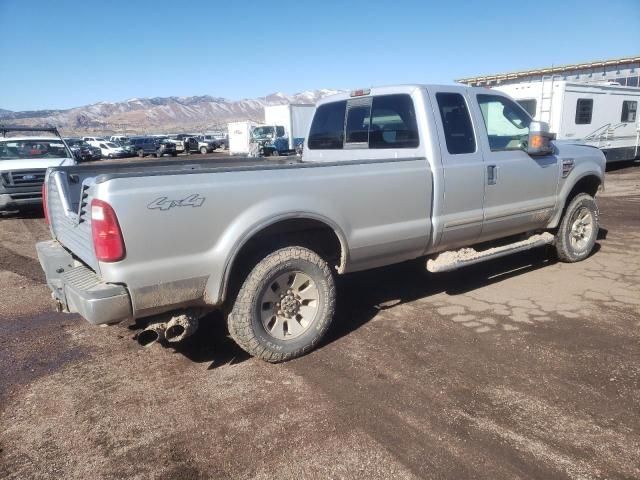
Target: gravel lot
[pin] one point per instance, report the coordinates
(516, 368)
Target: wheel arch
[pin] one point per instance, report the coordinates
(281, 230)
(589, 182)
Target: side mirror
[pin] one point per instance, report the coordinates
(539, 140)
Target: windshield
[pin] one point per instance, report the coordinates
(32, 148)
(263, 132)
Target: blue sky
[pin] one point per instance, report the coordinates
(65, 53)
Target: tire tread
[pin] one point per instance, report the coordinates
(239, 319)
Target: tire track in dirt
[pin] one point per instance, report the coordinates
(24, 266)
(36, 227)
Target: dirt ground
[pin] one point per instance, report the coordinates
(515, 368)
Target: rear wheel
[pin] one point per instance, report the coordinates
(285, 305)
(141, 153)
(578, 229)
(203, 150)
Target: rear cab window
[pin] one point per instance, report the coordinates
(327, 128)
(367, 122)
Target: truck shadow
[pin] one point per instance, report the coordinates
(363, 295)
(212, 343)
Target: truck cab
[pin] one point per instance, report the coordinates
(487, 182)
(268, 140)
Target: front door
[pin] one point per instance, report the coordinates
(519, 189)
(460, 217)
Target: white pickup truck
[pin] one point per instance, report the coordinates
(389, 175)
(24, 161)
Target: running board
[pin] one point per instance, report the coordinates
(447, 261)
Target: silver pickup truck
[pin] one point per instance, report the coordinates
(388, 175)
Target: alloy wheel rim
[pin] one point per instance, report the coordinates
(581, 229)
(289, 305)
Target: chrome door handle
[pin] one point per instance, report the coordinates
(492, 175)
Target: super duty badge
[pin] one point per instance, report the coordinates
(163, 203)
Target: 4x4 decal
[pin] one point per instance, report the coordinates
(163, 203)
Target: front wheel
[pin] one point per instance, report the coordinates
(578, 229)
(203, 150)
(141, 153)
(285, 305)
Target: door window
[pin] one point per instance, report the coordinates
(629, 111)
(506, 122)
(584, 110)
(458, 131)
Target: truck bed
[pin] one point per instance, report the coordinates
(106, 171)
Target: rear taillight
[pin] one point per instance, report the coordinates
(107, 237)
(44, 203)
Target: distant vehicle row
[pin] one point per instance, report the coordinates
(119, 146)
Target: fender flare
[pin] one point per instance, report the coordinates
(563, 196)
(256, 228)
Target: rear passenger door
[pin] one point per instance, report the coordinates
(461, 214)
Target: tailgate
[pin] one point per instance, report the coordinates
(68, 200)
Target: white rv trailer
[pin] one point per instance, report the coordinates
(603, 115)
(295, 118)
(239, 135)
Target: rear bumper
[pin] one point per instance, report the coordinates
(78, 289)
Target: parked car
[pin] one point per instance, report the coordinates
(23, 163)
(177, 142)
(388, 175)
(127, 146)
(82, 150)
(111, 150)
(94, 140)
(153, 146)
(198, 144)
(118, 139)
(219, 141)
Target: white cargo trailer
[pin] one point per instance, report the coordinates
(603, 115)
(295, 118)
(239, 135)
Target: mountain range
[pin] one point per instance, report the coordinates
(158, 114)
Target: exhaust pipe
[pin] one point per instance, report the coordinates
(182, 326)
(155, 332)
